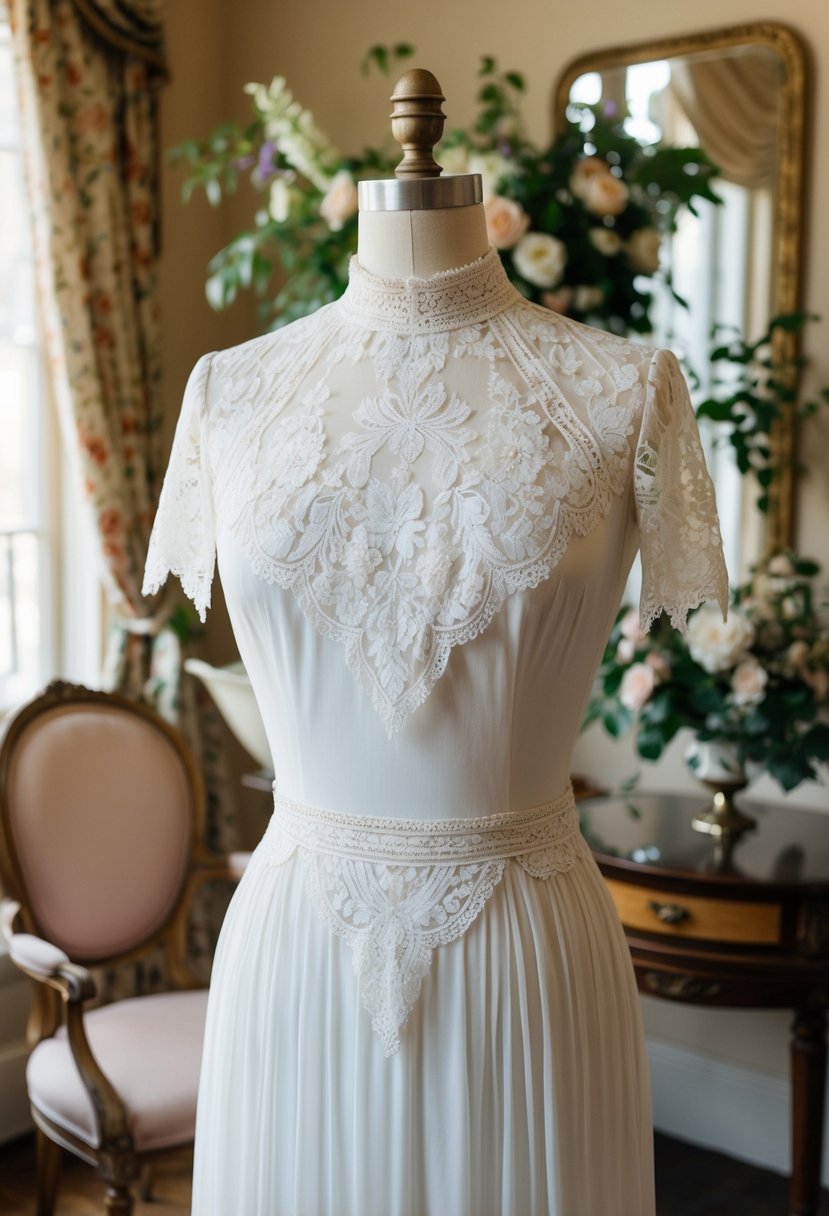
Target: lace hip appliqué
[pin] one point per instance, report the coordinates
(397, 888)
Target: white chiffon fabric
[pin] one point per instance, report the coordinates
(425, 500)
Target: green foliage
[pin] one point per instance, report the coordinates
(757, 393)
(294, 261)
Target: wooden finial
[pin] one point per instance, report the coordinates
(417, 122)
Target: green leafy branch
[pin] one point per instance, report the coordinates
(762, 393)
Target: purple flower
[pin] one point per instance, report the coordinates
(610, 109)
(266, 166)
(244, 162)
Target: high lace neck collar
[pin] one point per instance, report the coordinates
(447, 300)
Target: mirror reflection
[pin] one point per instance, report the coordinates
(720, 265)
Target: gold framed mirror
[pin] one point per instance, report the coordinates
(741, 94)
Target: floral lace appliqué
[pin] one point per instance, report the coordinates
(395, 890)
(412, 454)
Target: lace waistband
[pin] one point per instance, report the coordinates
(422, 842)
(396, 889)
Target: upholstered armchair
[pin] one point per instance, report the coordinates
(101, 809)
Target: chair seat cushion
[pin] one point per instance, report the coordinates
(150, 1049)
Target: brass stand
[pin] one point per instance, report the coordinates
(723, 819)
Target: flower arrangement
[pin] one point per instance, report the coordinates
(578, 223)
(758, 683)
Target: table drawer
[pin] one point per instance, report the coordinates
(722, 920)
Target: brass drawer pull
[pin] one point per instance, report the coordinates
(669, 914)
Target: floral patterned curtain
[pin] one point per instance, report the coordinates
(90, 73)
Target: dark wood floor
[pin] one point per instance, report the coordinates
(689, 1182)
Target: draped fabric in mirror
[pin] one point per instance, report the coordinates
(737, 94)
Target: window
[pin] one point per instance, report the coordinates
(49, 585)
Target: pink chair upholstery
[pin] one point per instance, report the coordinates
(150, 1048)
(101, 812)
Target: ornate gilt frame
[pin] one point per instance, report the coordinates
(788, 239)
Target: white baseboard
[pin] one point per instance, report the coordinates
(735, 1110)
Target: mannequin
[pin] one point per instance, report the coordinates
(424, 499)
(419, 223)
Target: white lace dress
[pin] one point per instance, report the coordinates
(425, 500)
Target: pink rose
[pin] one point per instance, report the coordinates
(630, 626)
(661, 666)
(506, 221)
(748, 682)
(340, 200)
(637, 685)
(558, 301)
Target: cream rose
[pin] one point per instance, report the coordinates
(607, 242)
(506, 221)
(642, 250)
(588, 168)
(586, 297)
(637, 686)
(492, 166)
(540, 259)
(748, 683)
(340, 201)
(606, 195)
(716, 644)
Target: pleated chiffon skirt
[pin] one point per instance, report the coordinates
(520, 1088)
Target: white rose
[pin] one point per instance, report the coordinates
(506, 221)
(340, 200)
(454, 160)
(586, 297)
(781, 567)
(748, 683)
(492, 166)
(279, 200)
(540, 259)
(606, 195)
(637, 686)
(791, 608)
(625, 650)
(716, 644)
(607, 242)
(588, 168)
(642, 250)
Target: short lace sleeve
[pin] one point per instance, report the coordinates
(679, 532)
(183, 539)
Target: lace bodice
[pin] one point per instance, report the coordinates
(411, 455)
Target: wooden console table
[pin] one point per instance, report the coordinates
(751, 931)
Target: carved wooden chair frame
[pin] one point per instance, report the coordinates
(72, 985)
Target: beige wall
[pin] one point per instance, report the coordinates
(317, 45)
